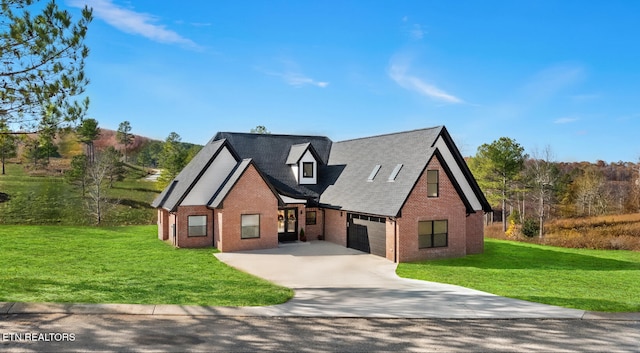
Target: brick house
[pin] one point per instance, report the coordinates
(405, 196)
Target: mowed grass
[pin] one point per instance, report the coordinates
(594, 280)
(42, 200)
(129, 264)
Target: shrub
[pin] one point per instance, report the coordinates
(530, 227)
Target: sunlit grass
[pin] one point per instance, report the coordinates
(39, 200)
(119, 265)
(596, 280)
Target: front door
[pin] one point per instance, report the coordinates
(288, 224)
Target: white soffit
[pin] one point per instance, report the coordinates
(458, 174)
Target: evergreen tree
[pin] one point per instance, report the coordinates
(496, 166)
(8, 144)
(42, 55)
(124, 137)
(172, 158)
(88, 131)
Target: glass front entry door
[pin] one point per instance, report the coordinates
(288, 224)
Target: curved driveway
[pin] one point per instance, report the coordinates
(333, 281)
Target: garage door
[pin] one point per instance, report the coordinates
(367, 234)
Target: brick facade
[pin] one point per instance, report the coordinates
(163, 224)
(250, 195)
(183, 240)
(475, 233)
(312, 231)
(335, 226)
(418, 207)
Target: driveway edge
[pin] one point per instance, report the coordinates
(16, 308)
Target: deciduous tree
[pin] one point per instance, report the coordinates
(541, 175)
(260, 129)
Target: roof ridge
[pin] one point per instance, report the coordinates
(393, 133)
(275, 135)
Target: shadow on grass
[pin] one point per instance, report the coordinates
(505, 255)
(137, 189)
(131, 203)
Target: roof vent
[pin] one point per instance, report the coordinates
(394, 173)
(374, 172)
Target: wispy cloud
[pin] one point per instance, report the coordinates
(293, 76)
(399, 72)
(132, 22)
(565, 120)
(415, 31)
(551, 80)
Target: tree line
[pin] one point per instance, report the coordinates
(531, 188)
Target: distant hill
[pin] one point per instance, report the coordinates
(108, 138)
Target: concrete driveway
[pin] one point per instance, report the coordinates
(332, 281)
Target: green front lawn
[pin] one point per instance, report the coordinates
(119, 265)
(595, 280)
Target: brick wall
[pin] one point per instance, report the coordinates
(475, 233)
(335, 226)
(447, 206)
(313, 231)
(163, 224)
(182, 227)
(391, 239)
(250, 195)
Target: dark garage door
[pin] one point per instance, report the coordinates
(367, 234)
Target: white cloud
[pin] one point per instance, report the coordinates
(297, 79)
(129, 21)
(565, 120)
(398, 72)
(293, 76)
(416, 32)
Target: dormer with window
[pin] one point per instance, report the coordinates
(304, 160)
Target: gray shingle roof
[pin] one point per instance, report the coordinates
(352, 191)
(343, 171)
(270, 154)
(171, 196)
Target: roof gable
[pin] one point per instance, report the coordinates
(380, 172)
(271, 152)
(218, 198)
(180, 186)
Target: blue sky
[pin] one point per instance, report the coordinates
(559, 73)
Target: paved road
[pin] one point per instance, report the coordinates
(117, 333)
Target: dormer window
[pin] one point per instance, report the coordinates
(304, 160)
(307, 169)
